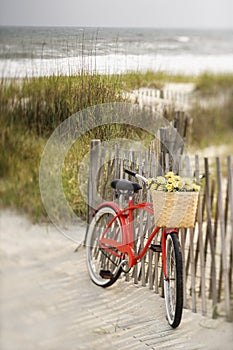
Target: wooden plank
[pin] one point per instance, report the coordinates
(200, 242)
(220, 289)
(161, 163)
(193, 272)
(109, 173)
(150, 271)
(135, 275)
(230, 196)
(94, 160)
(182, 234)
(167, 162)
(101, 186)
(143, 268)
(180, 166)
(210, 237)
(188, 169)
(116, 162)
(128, 158)
(215, 227)
(156, 273)
(223, 241)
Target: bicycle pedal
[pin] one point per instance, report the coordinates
(106, 274)
(156, 248)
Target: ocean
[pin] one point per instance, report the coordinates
(44, 51)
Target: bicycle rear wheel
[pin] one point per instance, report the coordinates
(103, 266)
(173, 285)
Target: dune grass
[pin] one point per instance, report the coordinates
(212, 125)
(213, 83)
(41, 104)
(30, 110)
(213, 113)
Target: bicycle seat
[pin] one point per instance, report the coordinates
(125, 185)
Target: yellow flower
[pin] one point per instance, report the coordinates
(169, 187)
(188, 181)
(196, 187)
(180, 184)
(169, 174)
(160, 188)
(153, 187)
(172, 183)
(160, 180)
(189, 187)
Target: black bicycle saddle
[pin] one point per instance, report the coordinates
(125, 185)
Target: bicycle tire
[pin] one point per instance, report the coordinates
(173, 285)
(98, 259)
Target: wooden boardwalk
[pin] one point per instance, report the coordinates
(48, 302)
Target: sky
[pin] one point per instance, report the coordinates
(119, 13)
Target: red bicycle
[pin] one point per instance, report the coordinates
(110, 244)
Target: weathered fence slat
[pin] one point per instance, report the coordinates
(94, 158)
(193, 272)
(200, 243)
(223, 241)
(182, 241)
(210, 236)
(230, 196)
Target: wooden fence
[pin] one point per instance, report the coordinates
(207, 250)
(163, 97)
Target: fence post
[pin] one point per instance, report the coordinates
(230, 196)
(200, 241)
(93, 168)
(211, 238)
(223, 240)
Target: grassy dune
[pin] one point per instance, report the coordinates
(30, 109)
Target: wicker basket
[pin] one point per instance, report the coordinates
(175, 209)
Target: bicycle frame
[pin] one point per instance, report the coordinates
(127, 246)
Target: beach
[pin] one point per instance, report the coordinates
(43, 51)
(47, 300)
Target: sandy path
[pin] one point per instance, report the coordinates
(48, 302)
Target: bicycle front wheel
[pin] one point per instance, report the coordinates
(173, 284)
(103, 265)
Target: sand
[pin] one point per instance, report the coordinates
(48, 302)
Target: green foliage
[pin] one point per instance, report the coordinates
(213, 83)
(155, 80)
(30, 110)
(213, 125)
(19, 164)
(213, 114)
(43, 103)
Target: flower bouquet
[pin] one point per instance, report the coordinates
(174, 200)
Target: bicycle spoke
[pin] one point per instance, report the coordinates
(103, 263)
(173, 285)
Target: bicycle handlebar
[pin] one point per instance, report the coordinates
(132, 173)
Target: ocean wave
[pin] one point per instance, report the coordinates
(183, 39)
(109, 64)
